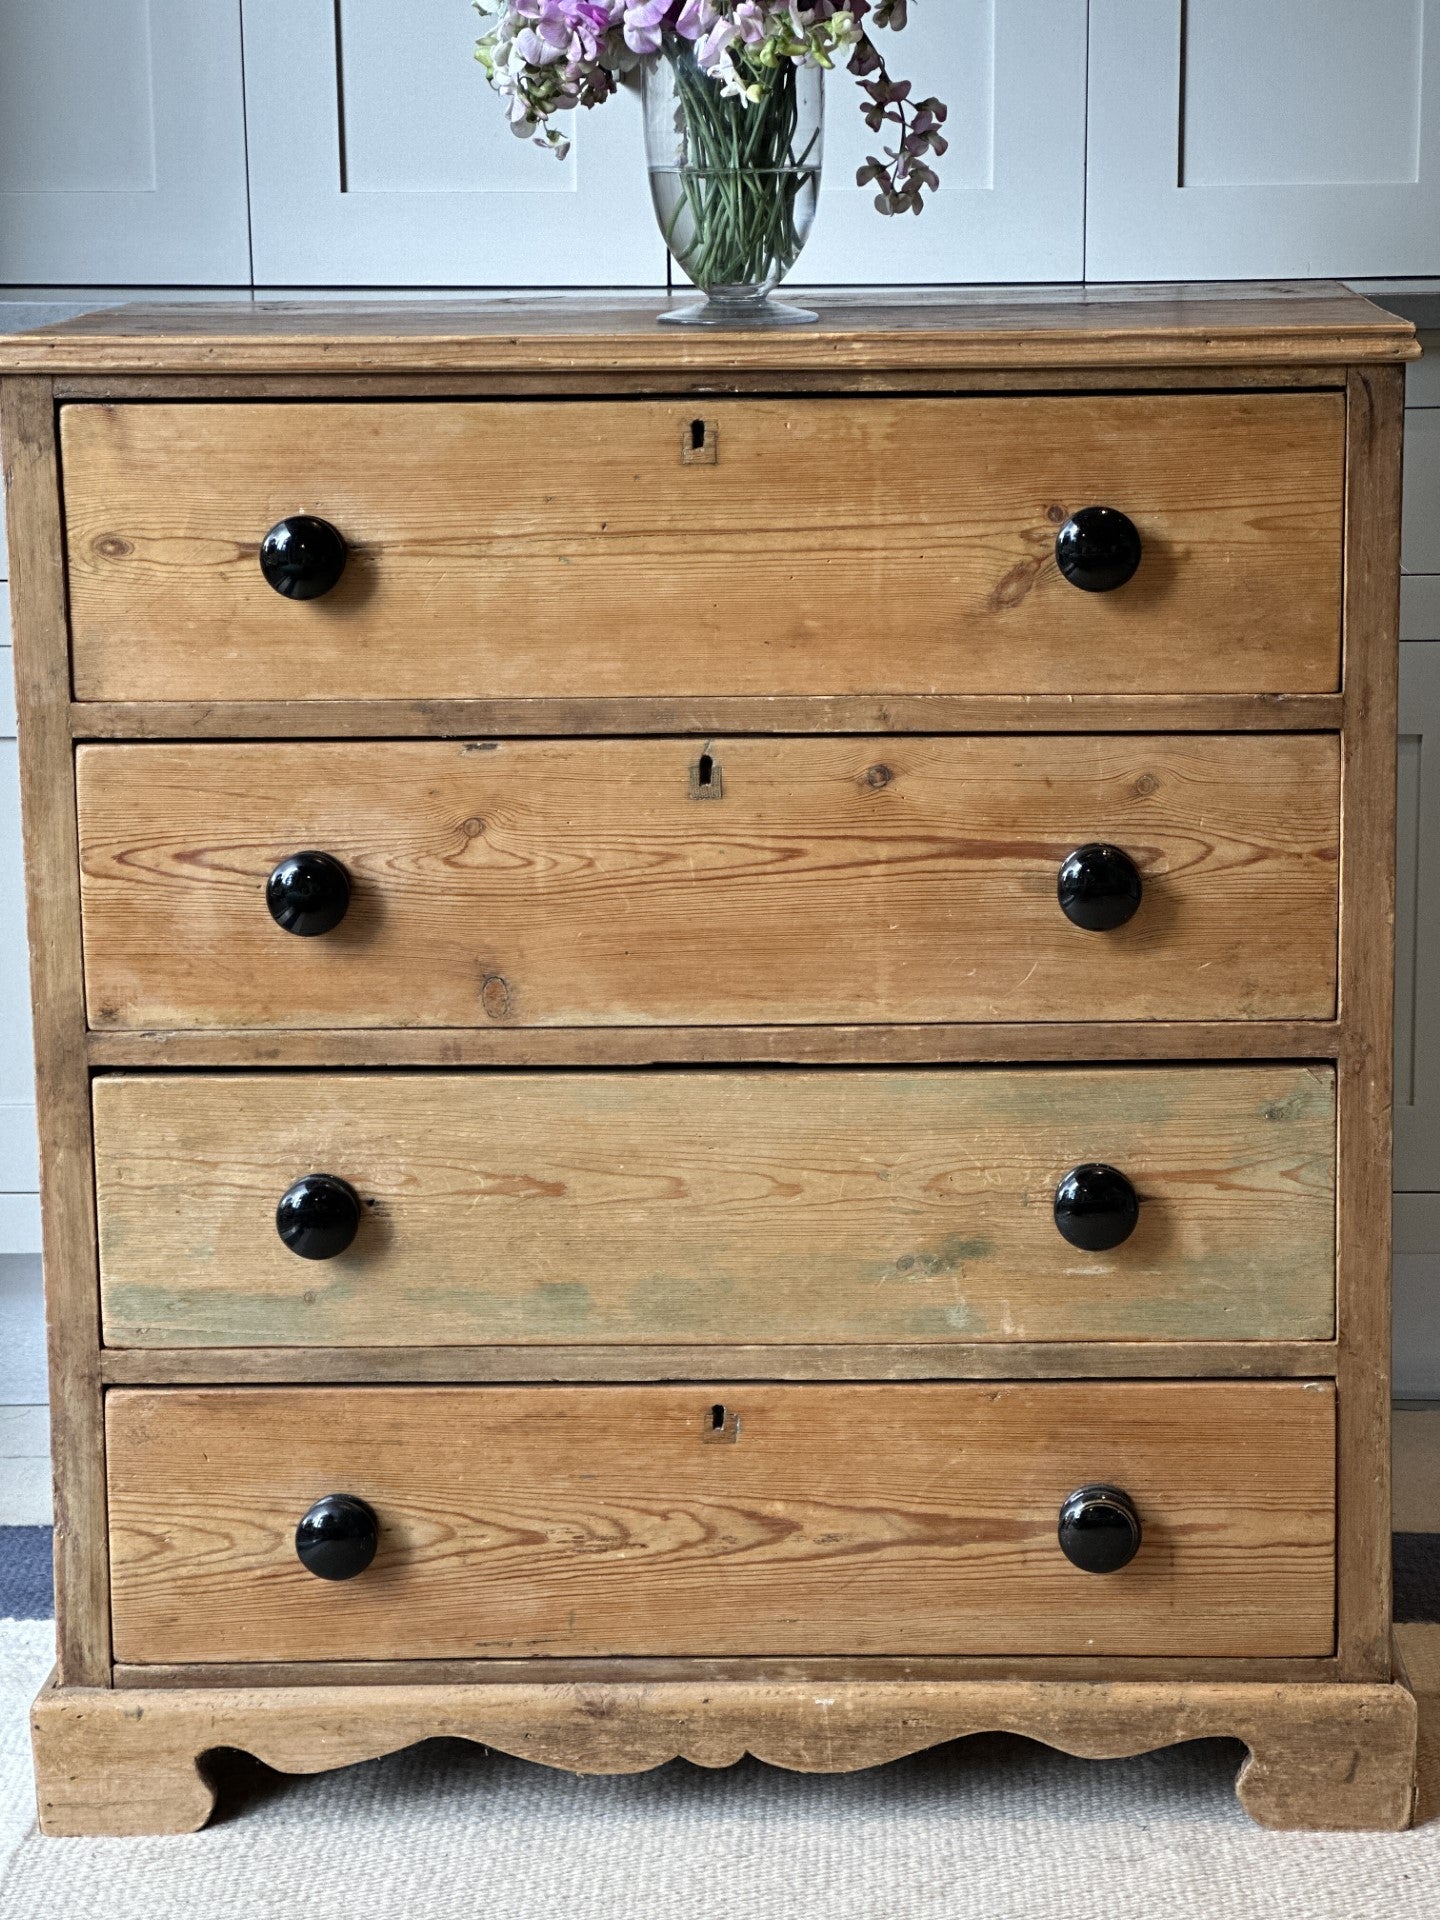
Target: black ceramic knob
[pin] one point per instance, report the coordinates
(319, 1217)
(1098, 549)
(1096, 1208)
(303, 557)
(1099, 1529)
(1099, 888)
(308, 894)
(338, 1536)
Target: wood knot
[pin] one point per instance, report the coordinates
(1147, 784)
(495, 995)
(113, 547)
(878, 776)
(473, 827)
(1012, 589)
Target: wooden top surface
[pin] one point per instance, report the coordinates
(1313, 323)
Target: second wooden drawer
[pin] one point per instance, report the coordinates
(754, 1206)
(638, 882)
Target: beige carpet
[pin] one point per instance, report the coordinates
(994, 1828)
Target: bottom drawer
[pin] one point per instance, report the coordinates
(721, 1520)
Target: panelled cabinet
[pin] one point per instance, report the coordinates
(673, 1123)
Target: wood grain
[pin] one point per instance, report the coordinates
(585, 883)
(47, 797)
(857, 1519)
(1417, 1647)
(908, 945)
(578, 384)
(835, 546)
(1367, 1004)
(627, 717)
(936, 1044)
(1008, 328)
(769, 1207)
(1319, 1757)
(547, 1670)
(587, 1365)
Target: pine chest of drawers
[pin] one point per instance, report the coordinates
(713, 1024)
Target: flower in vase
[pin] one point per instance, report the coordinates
(546, 57)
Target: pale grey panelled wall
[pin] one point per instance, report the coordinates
(1013, 202)
(24, 1434)
(375, 160)
(1263, 139)
(154, 141)
(19, 1209)
(122, 142)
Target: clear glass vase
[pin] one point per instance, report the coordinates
(735, 183)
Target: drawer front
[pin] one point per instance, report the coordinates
(808, 546)
(721, 1520)
(631, 882)
(753, 1207)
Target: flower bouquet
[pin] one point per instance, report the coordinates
(734, 103)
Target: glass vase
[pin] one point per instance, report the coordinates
(735, 183)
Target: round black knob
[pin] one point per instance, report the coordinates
(319, 1217)
(303, 557)
(1096, 1208)
(308, 894)
(338, 1536)
(1099, 888)
(1099, 1529)
(1098, 549)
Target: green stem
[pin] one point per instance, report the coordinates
(739, 175)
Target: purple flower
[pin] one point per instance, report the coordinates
(535, 47)
(752, 21)
(643, 23)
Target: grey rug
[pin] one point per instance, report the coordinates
(993, 1827)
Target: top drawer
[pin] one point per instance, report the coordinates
(798, 546)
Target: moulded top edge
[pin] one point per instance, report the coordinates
(910, 330)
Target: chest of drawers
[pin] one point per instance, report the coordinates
(713, 1027)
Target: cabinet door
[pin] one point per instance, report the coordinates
(122, 142)
(380, 157)
(1301, 137)
(1012, 198)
